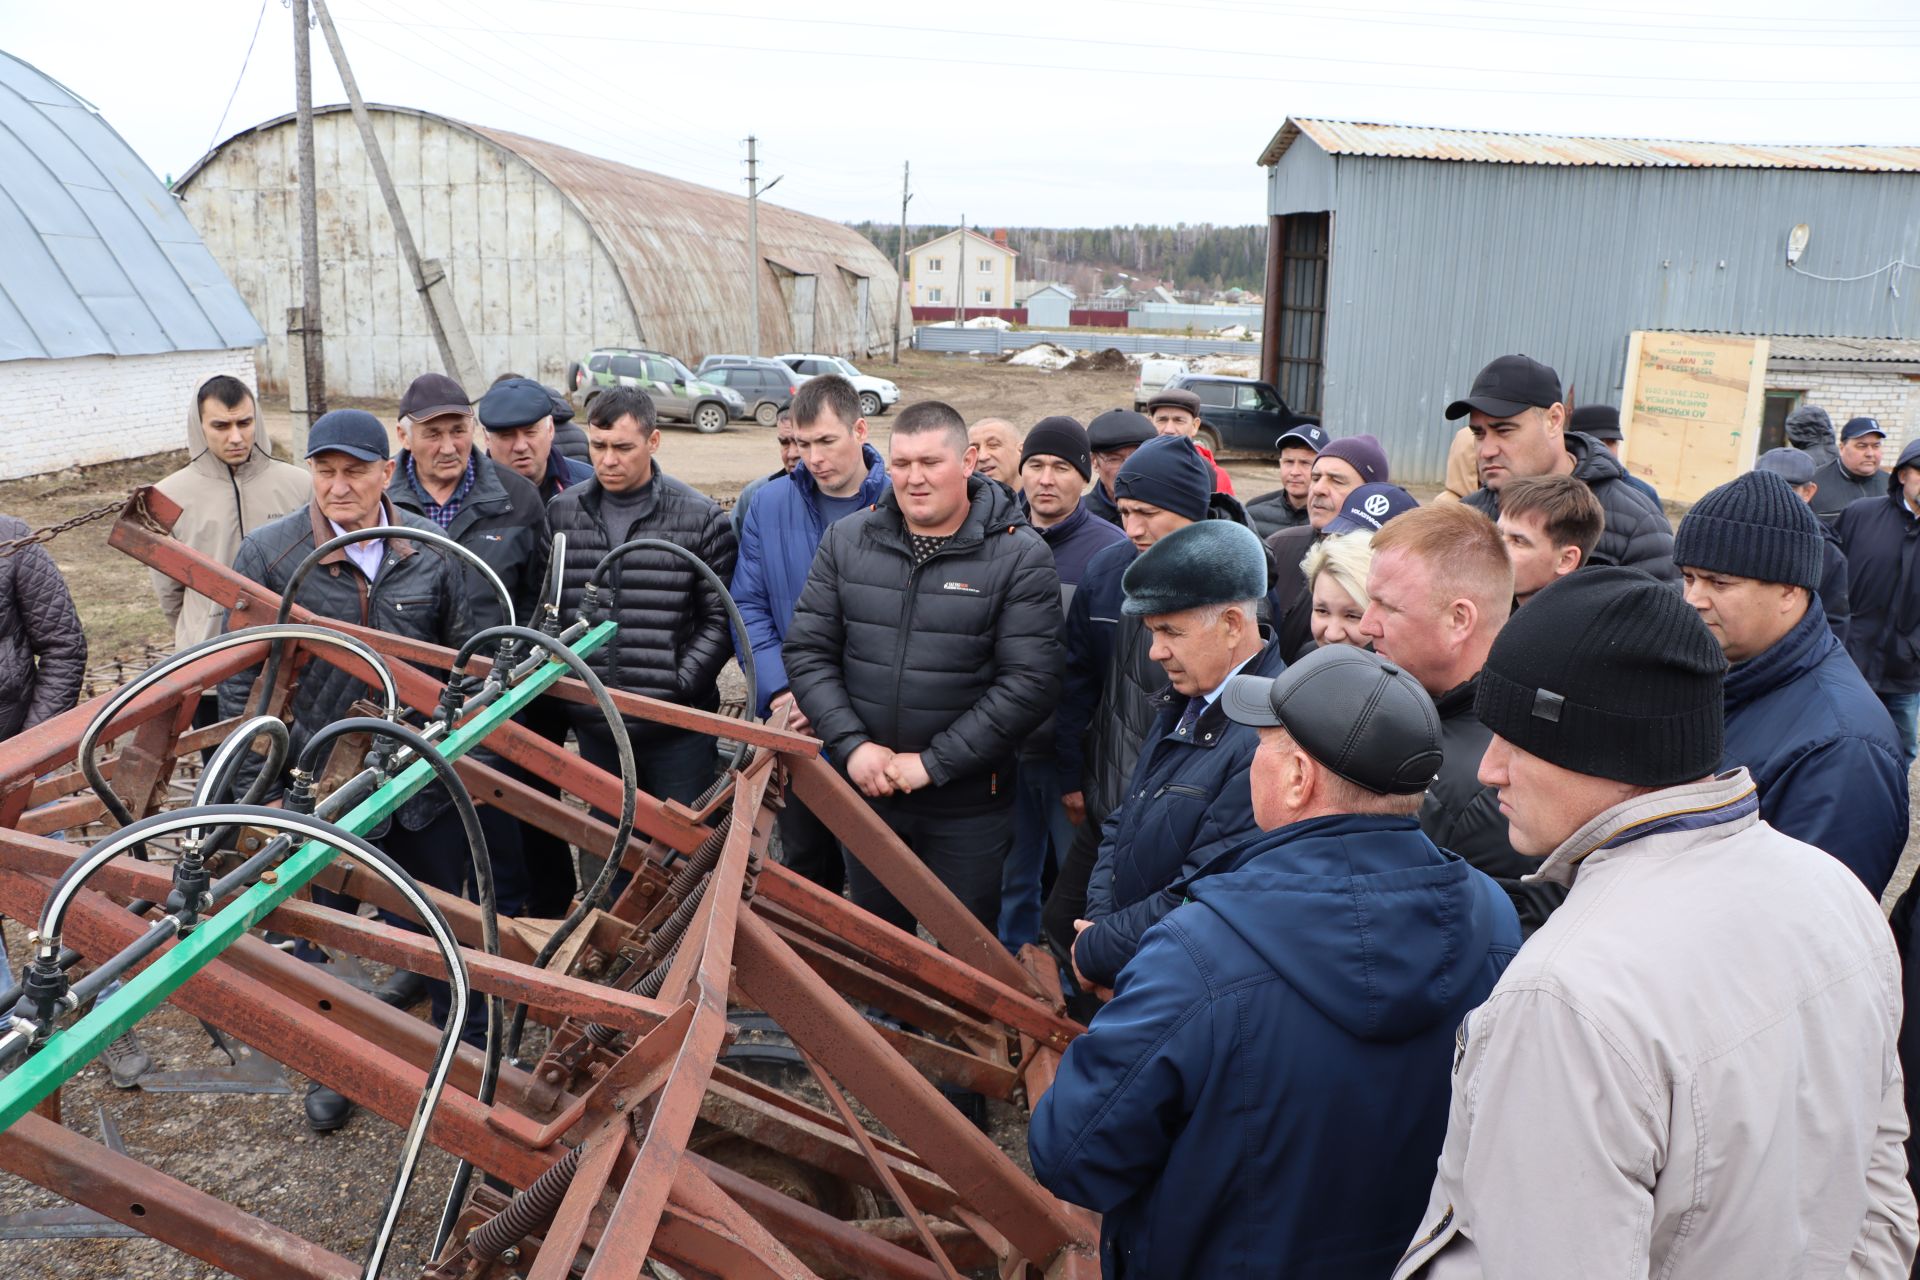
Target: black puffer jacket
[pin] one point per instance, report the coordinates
(503, 522)
(957, 659)
(1292, 594)
(1460, 814)
(673, 636)
(1637, 534)
(419, 593)
(43, 652)
(1271, 512)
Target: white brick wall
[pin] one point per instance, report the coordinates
(1893, 398)
(88, 409)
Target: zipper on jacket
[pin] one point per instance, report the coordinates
(239, 509)
(906, 618)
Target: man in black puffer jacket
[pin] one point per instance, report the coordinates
(924, 648)
(1519, 428)
(673, 627)
(43, 651)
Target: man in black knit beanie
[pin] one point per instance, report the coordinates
(1690, 1069)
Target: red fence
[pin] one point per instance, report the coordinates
(1018, 315)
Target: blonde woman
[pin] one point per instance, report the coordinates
(1336, 571)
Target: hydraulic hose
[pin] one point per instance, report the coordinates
(382, 865)
(313, 557)
(90, 737)
(629, 802)
(742, 643)
(218, 775)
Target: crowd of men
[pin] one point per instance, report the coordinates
(1489, 887)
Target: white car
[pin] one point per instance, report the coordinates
(1155, 373)
(877, 395)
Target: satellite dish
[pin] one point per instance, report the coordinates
(1797, 243)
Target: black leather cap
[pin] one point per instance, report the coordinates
(1353, 711)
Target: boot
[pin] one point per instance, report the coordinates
(326, 1110)
(126, 1061)
(402, 989)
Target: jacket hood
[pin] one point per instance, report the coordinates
(1809, 424)
(1592, 461)
(1224, 506)
(1909, 457)
(202, 459)
(1373, 925)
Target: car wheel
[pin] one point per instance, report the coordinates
(869, 404)
(1208, 437)
(575, 376)
(709, 418)
(767, 413)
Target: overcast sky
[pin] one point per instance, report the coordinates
(1067, 113)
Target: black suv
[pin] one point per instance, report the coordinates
(766, 386)
(1242, 415)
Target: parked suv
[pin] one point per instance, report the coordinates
(877, 395)
(1243, 414)
(766, 386)
(677, 392)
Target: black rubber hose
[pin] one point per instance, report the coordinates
(743, 643)
(313, 557)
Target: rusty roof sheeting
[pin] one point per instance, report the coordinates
(1416, 142)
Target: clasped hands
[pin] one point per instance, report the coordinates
(878, 771)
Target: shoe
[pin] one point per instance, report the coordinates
(279, 941)
(326, 1110)
(126, 1061)
(402, 989)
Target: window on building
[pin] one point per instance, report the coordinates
(986, 264)
(933, 295)
(1773, 418)
(986, 297)
(935, 264)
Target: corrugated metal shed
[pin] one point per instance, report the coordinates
(548, 251)
(98, 258)
(1438, 265)
(1416, 142)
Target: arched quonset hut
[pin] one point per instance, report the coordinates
(549, 252)
(111, 310)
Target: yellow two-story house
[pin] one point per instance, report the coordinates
(962, 268)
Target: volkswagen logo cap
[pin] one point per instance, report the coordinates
(1368, 507)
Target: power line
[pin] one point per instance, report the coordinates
(1159, 72)
(251, 41)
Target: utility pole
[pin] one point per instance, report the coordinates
(900, 259)
(314, 371)
(960, 303)
(449, 334)
(753, 251)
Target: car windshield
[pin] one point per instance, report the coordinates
(680, 372)
(847, 368)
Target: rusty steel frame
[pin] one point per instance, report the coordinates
(627, 1079)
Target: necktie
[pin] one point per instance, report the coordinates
(1194, 707)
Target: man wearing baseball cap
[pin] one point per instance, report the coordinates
(518, 416)
(1855, 473)
(1881, 538)
(1267, 1091)
(1520, 426)
(1113, 436)
(1175, 411)
(1055, 465)
(392, 584)
(1797, 468)
(1690, 1070)
(1341, 467)
(1286, 507)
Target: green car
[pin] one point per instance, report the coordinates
(677, 392)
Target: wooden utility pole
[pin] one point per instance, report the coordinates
(903, 296)
(449, 334)
(960, 303)
(753, 252)
(313, 369)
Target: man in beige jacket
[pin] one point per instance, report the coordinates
(230, 486)
(1690, 1070)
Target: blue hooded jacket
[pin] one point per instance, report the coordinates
(778, 540)
(1822, 750)
(1882, 541)
(1267, 1092)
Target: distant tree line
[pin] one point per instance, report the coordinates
(1198, 256)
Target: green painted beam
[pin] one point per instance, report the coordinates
(70, 1049)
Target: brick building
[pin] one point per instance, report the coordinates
(111, 309)
(1849, 378)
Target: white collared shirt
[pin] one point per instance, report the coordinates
(367, 555)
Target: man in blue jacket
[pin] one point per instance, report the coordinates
(1197, 594)
(1055, 465)
(1798, 716)
(1795, 466)
(1880, 537)
(839, 474)
(1266, 1094)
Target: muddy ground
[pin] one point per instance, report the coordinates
(255, 1151)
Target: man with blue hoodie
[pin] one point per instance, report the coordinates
(1267, 1092)
(839, 474)
(1881, 537)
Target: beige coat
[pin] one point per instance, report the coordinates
(1689, 1071)
(219, 505)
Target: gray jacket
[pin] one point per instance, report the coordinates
(418, 593)
(43, 652)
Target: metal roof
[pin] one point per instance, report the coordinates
(99, 258)
(1415, 142)
(1863, 350)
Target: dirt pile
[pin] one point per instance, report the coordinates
(1107, 361)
